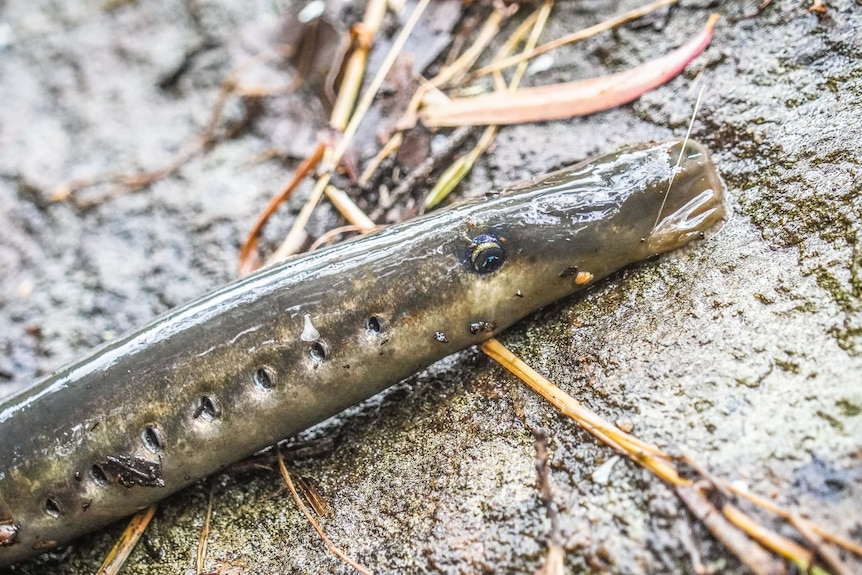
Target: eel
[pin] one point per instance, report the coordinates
(259, 360)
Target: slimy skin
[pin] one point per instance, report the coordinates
(263, 358)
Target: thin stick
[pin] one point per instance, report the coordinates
(781, 545)
(542, 15)
(201, 143)
(556, 552)
(296, 236)
(805, 528)
(568, 99)
(297, 231)
(750, 553)
(124, 545)
(453, 143)
(328, 236)
(486, 35)
(349, 209)
(205, 533)
(455, 173)
(248, 263)
(453, 70)
(679, 159)
(569, 405)
(363, 36)
(578, 36)
(658, 462)
(788, 516)
(501, 62)
(368, 97)
(285, 474)
(129, 182)
(757, 12)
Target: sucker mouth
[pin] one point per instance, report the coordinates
(688, 222)
(697, 179)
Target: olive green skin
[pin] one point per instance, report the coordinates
(125, 426)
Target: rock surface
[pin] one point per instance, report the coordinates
(743, 351)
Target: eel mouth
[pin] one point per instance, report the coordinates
(694, 202)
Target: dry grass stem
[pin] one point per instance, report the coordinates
(572, 38)
(542, 15)
(454, 142)
(124, 545)
(791, 551)
(806, 529)
(790, 517)
(362, 38)
(296, 236)
(727, 522)
(457, 68)
(312, 496)
(129, 183)
(368, 96)
(554, 561)
(568, 99)
(456, 172)
(348, 208)
(248, 255)
(330, 235)
(749, 552)
(488, 32)
(205, 534)
(285, 474)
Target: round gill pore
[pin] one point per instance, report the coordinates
(694, 200)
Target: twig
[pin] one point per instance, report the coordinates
(330, 161)
(556, 553)
(201, 143)
(790, 517)
(374, 86)
(806, 529)
(453, 70)
(349, 209)
(455, 173)
(778, 544)
(329, 236)
(749, 552)
(812, 533)
(129, 182)
(757, 12)
(124, 545)
(285, 474)
(312, 495)
(486, 35)
(686, 537)
(571, 407)
(204, 537)
(455, 140)
(659, 463)
(362, 36)
(818, 6)
(578, 36)
(248, 256)
(567, 99)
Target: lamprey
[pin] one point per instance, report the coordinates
(265, 357)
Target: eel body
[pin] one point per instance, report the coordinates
(265, 357)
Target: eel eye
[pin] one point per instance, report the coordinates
(486, 253)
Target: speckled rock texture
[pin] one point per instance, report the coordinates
(743, 351)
